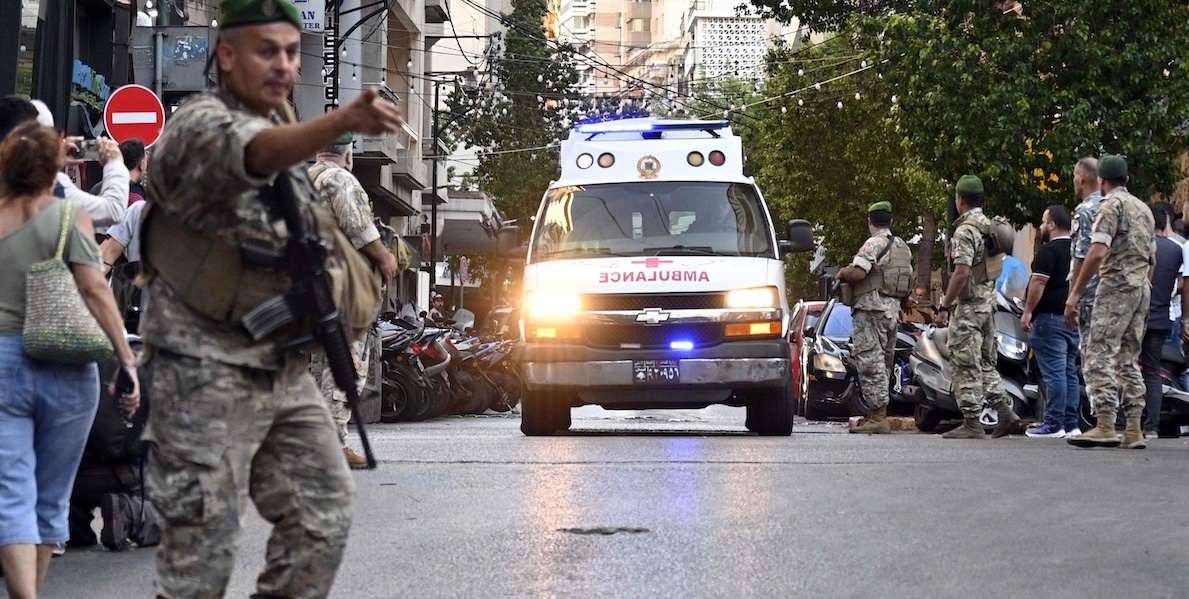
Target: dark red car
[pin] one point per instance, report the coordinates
(805, 314)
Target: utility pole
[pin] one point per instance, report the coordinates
(433, 190)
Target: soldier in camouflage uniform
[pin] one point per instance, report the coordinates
(873, 341)
(1124, 241)
(972, 347)
(331, 174)
(1085, 186)
(231, 418)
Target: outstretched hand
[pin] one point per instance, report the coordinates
(371, 114)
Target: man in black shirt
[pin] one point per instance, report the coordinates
(1055, 345)
(1165, 276)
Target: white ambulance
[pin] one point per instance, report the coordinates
(654, 279)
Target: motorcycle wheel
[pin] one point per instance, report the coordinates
(507, 392)
(481, 393)
(399, 396)
(926, 418)
(437, 400)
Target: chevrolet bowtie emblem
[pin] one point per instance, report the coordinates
(652, 316)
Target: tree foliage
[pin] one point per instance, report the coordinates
(1017, 93)
(827, 152)
(518, 124)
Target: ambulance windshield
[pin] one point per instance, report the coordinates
(652, 218)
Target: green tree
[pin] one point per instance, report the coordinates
(828, 147)
(518, 123)
(1017, 93)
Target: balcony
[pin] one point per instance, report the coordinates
(437, 11)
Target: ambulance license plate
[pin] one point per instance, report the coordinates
(655, 371)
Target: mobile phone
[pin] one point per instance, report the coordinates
(88, 150)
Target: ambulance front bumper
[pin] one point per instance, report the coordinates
(733, 365)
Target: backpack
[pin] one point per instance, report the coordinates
(999, 240)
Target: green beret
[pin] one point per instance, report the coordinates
(345, 139)
(885, 206)
(258, 12)
(969, 185)
(1112, 166)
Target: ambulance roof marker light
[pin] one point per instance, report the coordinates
(650, 125)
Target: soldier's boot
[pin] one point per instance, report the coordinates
(354, 460)
(1102, 435)
(875, 423)
(1133, 436)
(1007, 420)
(971, 428)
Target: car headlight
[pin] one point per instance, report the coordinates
(1012, 348)
(828, 363)
(755, 297)
(550, 303)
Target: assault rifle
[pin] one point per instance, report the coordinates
(313, 295)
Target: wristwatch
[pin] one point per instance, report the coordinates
(943, 308)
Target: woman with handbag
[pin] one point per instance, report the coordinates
(57, 316)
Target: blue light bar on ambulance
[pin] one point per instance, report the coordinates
(640, 125)
(681, 345)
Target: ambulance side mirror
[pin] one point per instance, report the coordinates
(800, 237)
(507, 243)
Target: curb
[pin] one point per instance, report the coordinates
(897, 423)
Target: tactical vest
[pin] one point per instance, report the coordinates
(895, 279)
(227, 282)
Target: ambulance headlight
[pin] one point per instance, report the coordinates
(755, 297)
(584, 161)
(550, 303)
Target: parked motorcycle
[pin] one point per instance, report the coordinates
(932, 387)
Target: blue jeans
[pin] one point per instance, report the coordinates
(1056, 349)
(46, 410)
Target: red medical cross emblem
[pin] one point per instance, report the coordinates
(652, 262)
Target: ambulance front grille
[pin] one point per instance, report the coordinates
(666, 301)
(645, 337)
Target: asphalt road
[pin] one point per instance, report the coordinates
(685, 504)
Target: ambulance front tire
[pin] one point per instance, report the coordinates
(770, 411)
(543, 413)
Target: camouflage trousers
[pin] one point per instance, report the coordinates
(973, 355)
(220, 434)
(336, 399)
(873, 344)
(1117, 328)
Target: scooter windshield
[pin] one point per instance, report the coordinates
(652, 218)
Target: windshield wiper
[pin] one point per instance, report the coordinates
(683, 250)
(572, 251)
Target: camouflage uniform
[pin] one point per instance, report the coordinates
(1120, 315)
(230, 418)
(1083, 225)
(873, 341)
(353, 213)
(973, 353)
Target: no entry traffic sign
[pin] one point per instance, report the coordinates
(134, 111)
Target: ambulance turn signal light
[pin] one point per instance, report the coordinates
(748, 329)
